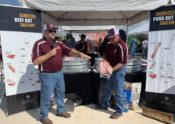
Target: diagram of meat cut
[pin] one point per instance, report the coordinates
(20, 74)
(166, 64)
(161, 57)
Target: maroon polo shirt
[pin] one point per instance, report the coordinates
(54, 63)
(116, 54)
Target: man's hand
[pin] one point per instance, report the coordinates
(117, 67)
(45, 57)
(84, 56)
(79, 54)
(53, 52)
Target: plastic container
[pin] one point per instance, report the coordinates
(127, 98)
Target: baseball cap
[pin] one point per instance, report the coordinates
(113, 32)
(49, 26)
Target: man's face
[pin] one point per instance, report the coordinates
(116, 39)
(83, 38)
(51, 33)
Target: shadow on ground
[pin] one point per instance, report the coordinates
(35, 113)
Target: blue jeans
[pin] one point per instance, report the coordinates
(51, 82)
(116, 82)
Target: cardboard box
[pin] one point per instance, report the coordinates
(135, 94)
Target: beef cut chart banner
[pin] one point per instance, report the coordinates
(160, 84)
(19, 29)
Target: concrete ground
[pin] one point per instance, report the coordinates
(80, 115)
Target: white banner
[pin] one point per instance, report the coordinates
(20, 74)
(19, 29)
(161, 62)
(173, 1)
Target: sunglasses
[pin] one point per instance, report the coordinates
(52, 31)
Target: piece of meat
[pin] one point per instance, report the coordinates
(152, 75)
(11, 83)
(10, 56)
(11, 68)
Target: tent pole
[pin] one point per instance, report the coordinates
(127, 26)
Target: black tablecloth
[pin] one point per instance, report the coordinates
(83, 84)
(138, 77)
(86, 85)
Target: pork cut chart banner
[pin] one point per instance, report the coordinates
(160, 84)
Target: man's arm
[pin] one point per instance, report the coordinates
(43, 58)
(80, 54)
(117, 67)
(120, 59)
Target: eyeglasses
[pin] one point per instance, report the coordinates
(52, 31)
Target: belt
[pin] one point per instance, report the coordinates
(49, 71)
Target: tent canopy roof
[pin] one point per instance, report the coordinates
(96, 12)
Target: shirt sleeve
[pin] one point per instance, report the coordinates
(36, 52)
(119, 54)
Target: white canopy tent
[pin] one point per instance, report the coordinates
(96, 12)
(141, 27)
(86, 28)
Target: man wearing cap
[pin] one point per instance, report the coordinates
(116, 53)
(48, 54)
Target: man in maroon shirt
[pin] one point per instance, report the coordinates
(116, 53)
(48, 54)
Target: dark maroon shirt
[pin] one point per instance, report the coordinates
(82, 46)
(116, 54)
(54, 63)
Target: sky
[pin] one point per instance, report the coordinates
(11, 2)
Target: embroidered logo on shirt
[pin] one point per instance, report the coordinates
(58, 47)
(115, 50)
